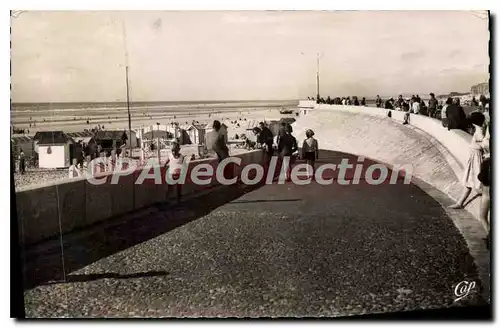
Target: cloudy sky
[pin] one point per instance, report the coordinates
(80, 56)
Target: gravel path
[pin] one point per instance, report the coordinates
(280, 250)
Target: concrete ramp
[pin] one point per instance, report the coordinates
(368, 132)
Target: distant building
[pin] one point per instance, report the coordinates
(55, 150)
(480, 89)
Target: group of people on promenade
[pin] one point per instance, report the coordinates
(451, 114)
(347, 101)
(477, 174)
(285, 146)
(478, 124)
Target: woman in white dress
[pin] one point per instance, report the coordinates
(473, 165)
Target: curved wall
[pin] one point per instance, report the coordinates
(45, 211)
(438, 156)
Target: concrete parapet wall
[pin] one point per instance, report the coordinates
(438, 156)
(54, 208)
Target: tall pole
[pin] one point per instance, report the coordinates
(317, 75)
(158, 143)
(129, 116)
(128, 95)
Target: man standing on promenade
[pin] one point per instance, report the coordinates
(266, 139)
(432, 105)
(281, 132)
(287, 146)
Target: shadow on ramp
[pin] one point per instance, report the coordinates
(109, 275)
(265, 201)
(48, 261)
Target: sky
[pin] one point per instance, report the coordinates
(73, 56)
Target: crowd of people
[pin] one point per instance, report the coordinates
(478, 124)
(477, 174)
(354, 101)
(450, 112)
(284, 145)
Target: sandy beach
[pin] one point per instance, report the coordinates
(35, 177)
(117, 118)
(75, 120)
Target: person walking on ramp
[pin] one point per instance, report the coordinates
(310, 151)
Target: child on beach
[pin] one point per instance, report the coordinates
(310, 150)
(174, 164)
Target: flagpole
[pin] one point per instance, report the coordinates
(129, 116)
(317, 75)
(124, 33)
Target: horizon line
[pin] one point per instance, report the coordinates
(152, 101)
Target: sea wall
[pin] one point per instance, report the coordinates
(437, 155)
(54, 208)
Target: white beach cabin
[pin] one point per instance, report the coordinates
(54, 151)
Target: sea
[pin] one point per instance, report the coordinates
(22, 113)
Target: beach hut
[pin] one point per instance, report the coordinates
(132, 140)
(153, 135)
(85, 137)
(196, 133)
(83, 141)
(184, 138)
(109, 140)
(55, 150)
(44, 135)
